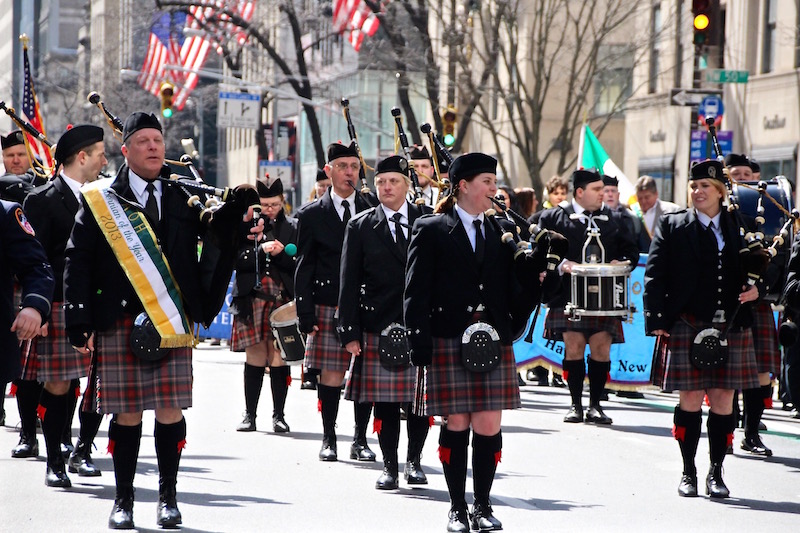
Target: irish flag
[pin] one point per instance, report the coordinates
(591, 154)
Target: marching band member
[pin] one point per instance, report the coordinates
(51, 210)
(461, 275)
(694, 281)
(139, 326)
(371, 302)
(251, 332)
(423, 164)
(321, 226)
(573, 220)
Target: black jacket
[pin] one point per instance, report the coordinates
(320, 235)
(372, 274)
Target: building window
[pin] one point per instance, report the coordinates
(614, 79)
(655, 43)
(770, 20)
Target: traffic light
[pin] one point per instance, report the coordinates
(449, 126)
(166, 92)
(706, 22)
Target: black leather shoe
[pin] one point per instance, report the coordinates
(248, 423)
(57, 477)
(457, 521)
(413, 473)
(631, 394)
(387, 480)
(279, 425)
(595, 415)
(688, 486)
(122, 513)
(28, 447)
(482, 518)
(574, 416)
(521, 382)
(715, 487)
(729, 450)
(308, 385)
(80, 462)
(361, 452)
(66, 449)
(558, 382)
(762, 426)
(328, 451)
(754, 445)
(168, 515)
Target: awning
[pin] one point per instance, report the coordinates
(779, 152)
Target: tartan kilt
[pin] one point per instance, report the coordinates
(557, 323)
(448, 388)
(243, 335)
(56, 359)
(765, 339)
(126, 384)
(323, 349)
(369, 381)
(29, 361)
(674, 371)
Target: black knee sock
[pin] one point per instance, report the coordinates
(486, 452)
(575, 373)
(753, 410)
(53, 413)
(90, 424)
(279, 377)
(329, 408)
(123, 444)
(686, 430)
(720, 435)
(361, 412)
(170, 440)
(598, 377)
(28, 392)
(387, 423)
(253, 380)
(73, 394)
(453, 455)
(417, 427)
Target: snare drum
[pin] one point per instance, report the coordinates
(285, 328)
(599, 289)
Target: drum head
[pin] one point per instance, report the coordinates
(285, 314)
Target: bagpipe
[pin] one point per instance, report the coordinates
(365, 191)
(39, 168)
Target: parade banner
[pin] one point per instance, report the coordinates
(220, 328)
(630, 361)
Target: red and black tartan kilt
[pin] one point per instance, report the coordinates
(29, 361)
(243, 335)
(369, 381)
(56, 359)
(323, 349)
(765, 339)
(674, 371)
(127, 384)
(448, 388)
(557, 323)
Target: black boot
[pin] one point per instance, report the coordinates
(329, 408)
(598, 377)
(720, 435)
(387, 425)
(310, 379)
(417, 427)
(66, 438)
(575, 373)
(53, 413)
(754, 403)
(253, 380)
(360, 449)
(686, 430)
(279, 377)
(123, 444)
(170, 440)
(486, 451)
(453, 455)
(80, 462)
(27, 393)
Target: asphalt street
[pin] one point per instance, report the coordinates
(553, 476)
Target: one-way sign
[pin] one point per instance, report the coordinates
(691, 96)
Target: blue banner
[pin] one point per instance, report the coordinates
(221, 327)
(630, 361)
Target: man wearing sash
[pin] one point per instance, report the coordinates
(132, 289)
(51, 210)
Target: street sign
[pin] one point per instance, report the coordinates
(239, 110)
(691, 96)
(711, 106)
(277, 169)
(716, 75)
(699, 141)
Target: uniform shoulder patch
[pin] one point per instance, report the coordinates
(22, 220)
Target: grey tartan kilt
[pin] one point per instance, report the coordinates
(448, 388)
(369, 381)
(557, 322)
(53, 356)
(323, 349)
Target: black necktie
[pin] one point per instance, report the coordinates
(346, 215)
(480, 243)
(151, 205)
(399, 236)
(711, 236)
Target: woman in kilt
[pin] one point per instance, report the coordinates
(251, 332)
(370, 300)
(694, 280)
(460, 273)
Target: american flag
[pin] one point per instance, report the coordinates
(168, 46)
(355, 20)
(31, 112)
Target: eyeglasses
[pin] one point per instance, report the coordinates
(272, 205)
(355, 167)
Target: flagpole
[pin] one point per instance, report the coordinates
(582, 139)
